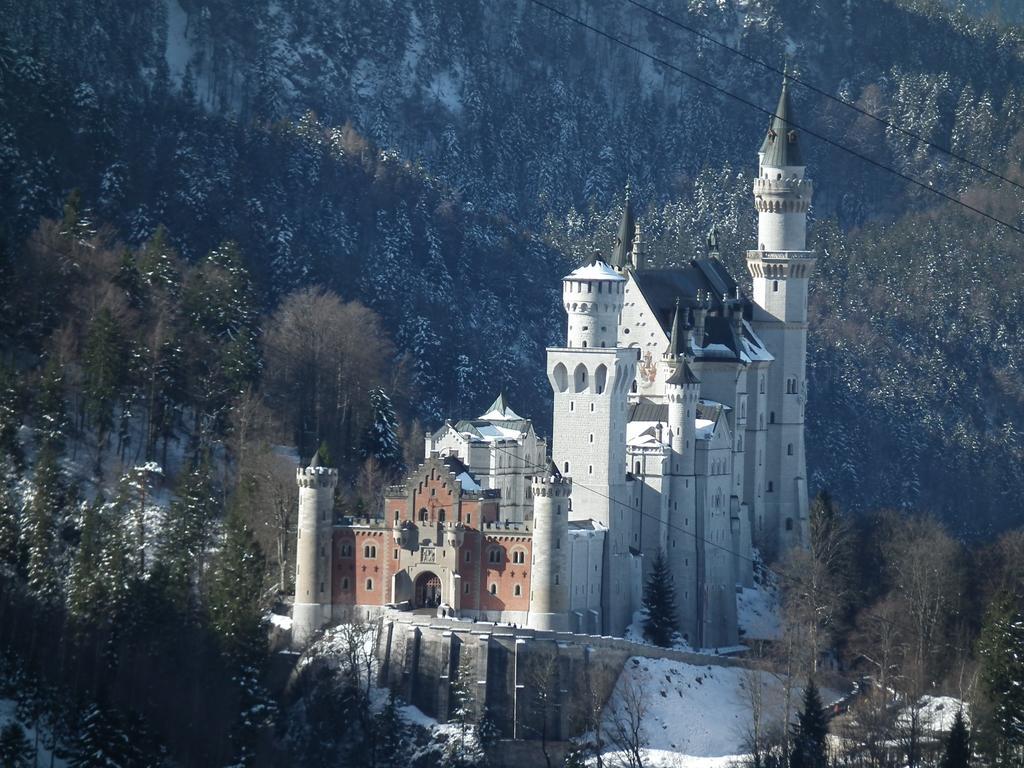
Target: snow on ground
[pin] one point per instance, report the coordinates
(758, 613)
(937, 713)
(635, 634)
(694, 716)
(281, 622)
(8, 714)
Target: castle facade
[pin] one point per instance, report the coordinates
(678, 428)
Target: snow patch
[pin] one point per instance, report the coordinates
(178, 50)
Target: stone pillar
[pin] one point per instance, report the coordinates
(549, 571)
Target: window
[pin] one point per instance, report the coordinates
(789, 449)
(468, 556)
(346, 550)
(771, 417)
(369, 550)
(789, 523)
(518, 556)
(493, 589)
(440, 516)
(396, 515)
(494, 555)
(465, 588)
(424, 515)
(771, 486)
(344, 583)
(775, 285)
(566, 465)
(369, 585)
(518, 590)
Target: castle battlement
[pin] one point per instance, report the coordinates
(790, 186)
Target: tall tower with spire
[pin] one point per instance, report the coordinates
(781, 268)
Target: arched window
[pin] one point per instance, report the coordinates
(494, 555)
(397, 513)
(369, 551)
(344, 583)
(518, 590)
(493, 589)
(424, 515)
(600, 378)
(579, 377)
(566, 469)
(346, 550)
(775, 285)
(369, 585)
(518, 556)
(440, 515)
(789, 449)
(771, 486)
(561, 377)
(636, 468)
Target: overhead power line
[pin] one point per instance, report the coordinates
(821, 92)
(747, 102)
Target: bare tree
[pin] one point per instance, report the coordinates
(542, 679)
(626, 731)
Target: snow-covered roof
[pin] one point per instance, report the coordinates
(705, 429)
(644, 434)
(596, 270)
(469, 483)
(501, 411)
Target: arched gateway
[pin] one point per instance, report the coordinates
(427, 590)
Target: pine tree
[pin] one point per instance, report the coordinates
(381, 439)
(129, 279)
(660, 604)
(50, 408)
(810, 733)
(236, 591)
(84, 589)
(957, 753)
(185, 536)
(11, 545)
(104, 742)
(1001, 648)
(42, 525)
(104, 366)
(15, 749)
(391, 752)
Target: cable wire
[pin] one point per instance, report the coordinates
(821, 92)
(831, 142)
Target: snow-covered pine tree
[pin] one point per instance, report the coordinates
(15, 749)
(381, 438)
(185, 535)
(1001, 648)
(104, 741)
(810, 733)
(236, 591)
(41, 533)
(659, 604)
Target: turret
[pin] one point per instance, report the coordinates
(549, 573)
(623, 250)
(593, 297)
(682, 390)
(314, 550)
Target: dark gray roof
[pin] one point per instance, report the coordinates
(682, 376)
(645, 409)
(781, 148)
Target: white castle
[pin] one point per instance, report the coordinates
(679, 417)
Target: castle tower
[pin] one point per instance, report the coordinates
(781, 268)
(549, 573)
(682, 391)
(314, 550)
(591, 377)
(622, 253)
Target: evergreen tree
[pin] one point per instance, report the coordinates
(391, 752)
(810, 733)
(381, 439)
(104, 741)
(10, 419)
(15, 749)
(129, 279)
(50, 408)
(104, 366)
(236, 591)
(186, 534)
(84, 590)
(957, 753)
(41, 536)
(660, 604)
(1001, 648)
(11, 549)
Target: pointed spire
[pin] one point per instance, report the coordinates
(627, 229)
(673, 344)
(780, 148)
(315, 461)
(553, 469)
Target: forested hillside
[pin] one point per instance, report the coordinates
(448, 192)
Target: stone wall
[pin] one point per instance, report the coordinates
(531, 682)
